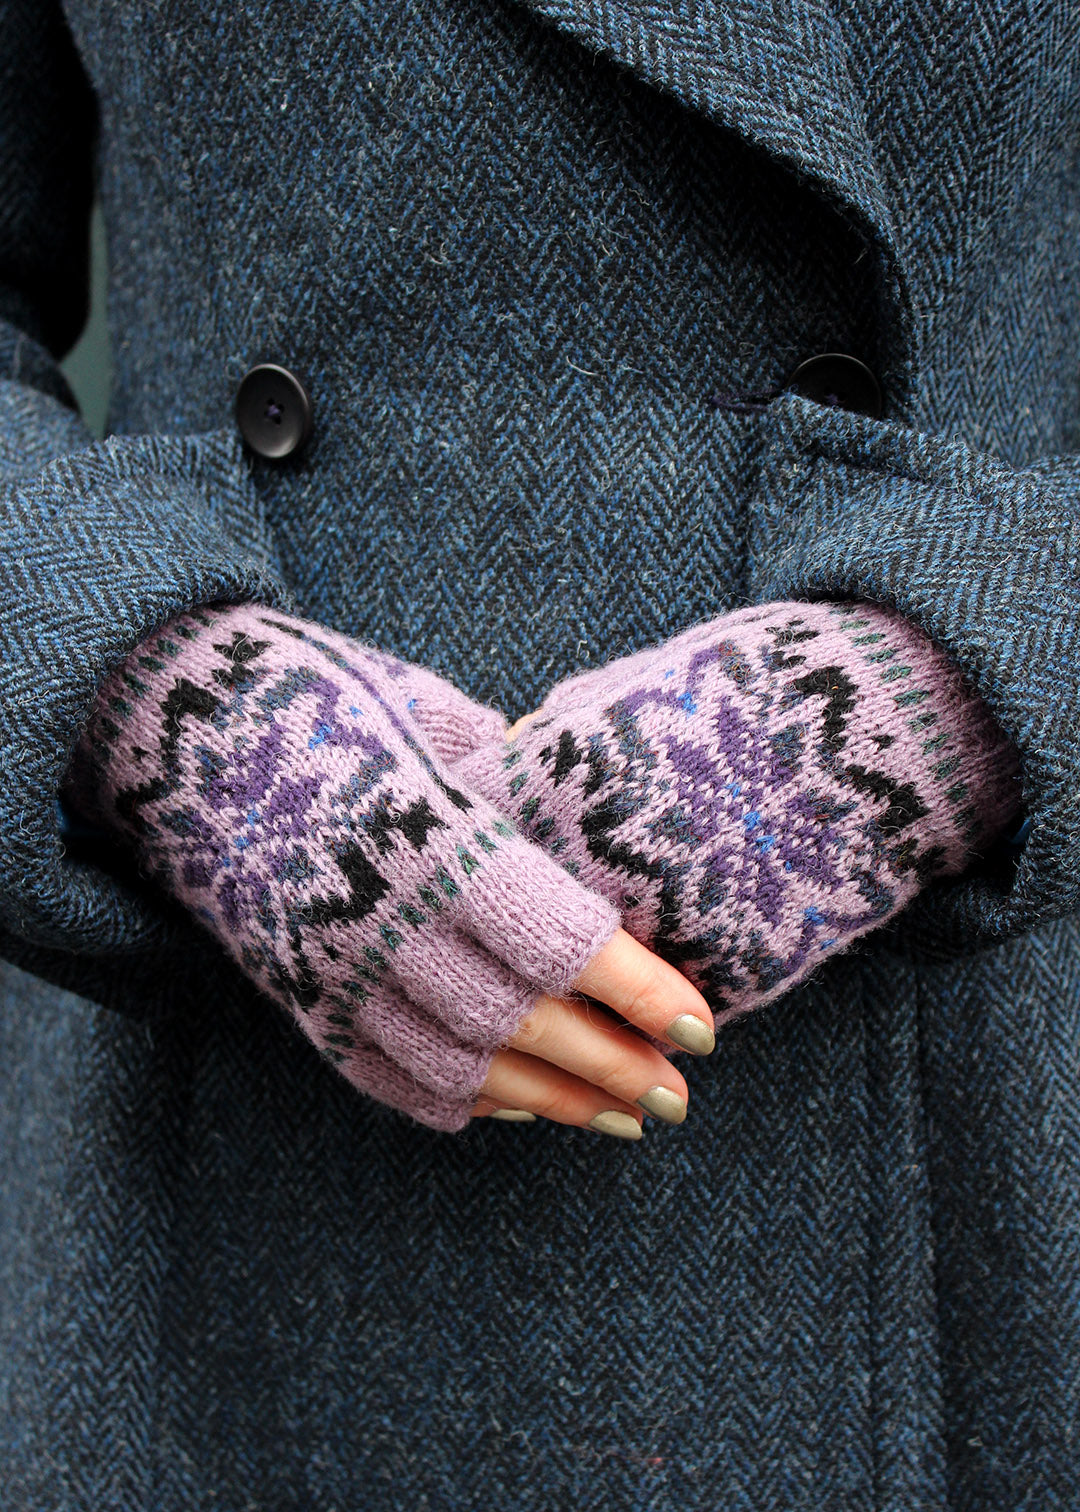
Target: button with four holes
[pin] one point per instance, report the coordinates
(839, 380)
(273, 411)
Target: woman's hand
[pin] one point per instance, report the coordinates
(759, 791)
(573, 1062)
(271, 776)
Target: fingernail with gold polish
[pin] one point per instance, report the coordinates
(691, 1033)
(622, 1125)
(514, 1115)
(663, 1103)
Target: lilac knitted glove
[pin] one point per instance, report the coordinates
(760, 790)
(270, 775)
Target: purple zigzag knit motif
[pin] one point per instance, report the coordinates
(760, 790)
(293, 788)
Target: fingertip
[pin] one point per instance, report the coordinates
(690, 1033)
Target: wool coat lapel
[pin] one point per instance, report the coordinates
(776, 72)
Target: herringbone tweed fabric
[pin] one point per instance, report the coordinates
(546, 269)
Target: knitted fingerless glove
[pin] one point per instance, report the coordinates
(286, 783)
(760, 790)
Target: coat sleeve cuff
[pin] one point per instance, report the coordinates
(103, 545)
(985, 559)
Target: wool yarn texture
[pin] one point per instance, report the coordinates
(292, 787)
(760, 790)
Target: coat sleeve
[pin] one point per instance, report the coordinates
(102, 542)
(985, 557)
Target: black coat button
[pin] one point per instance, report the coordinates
(273, 410)
(837, 379)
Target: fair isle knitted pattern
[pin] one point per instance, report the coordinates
(760, 790)
(270, 774)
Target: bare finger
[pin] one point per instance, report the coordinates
(588, 1040)
(517, 1080)
(649, 992)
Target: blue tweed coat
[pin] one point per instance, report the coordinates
(546, 267)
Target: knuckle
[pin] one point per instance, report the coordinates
(645, 993)
(613, 1060)
(556, 1104)
(533, 1032)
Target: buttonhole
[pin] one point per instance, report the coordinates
(740, 403)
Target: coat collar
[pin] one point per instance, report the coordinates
(776, 73)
